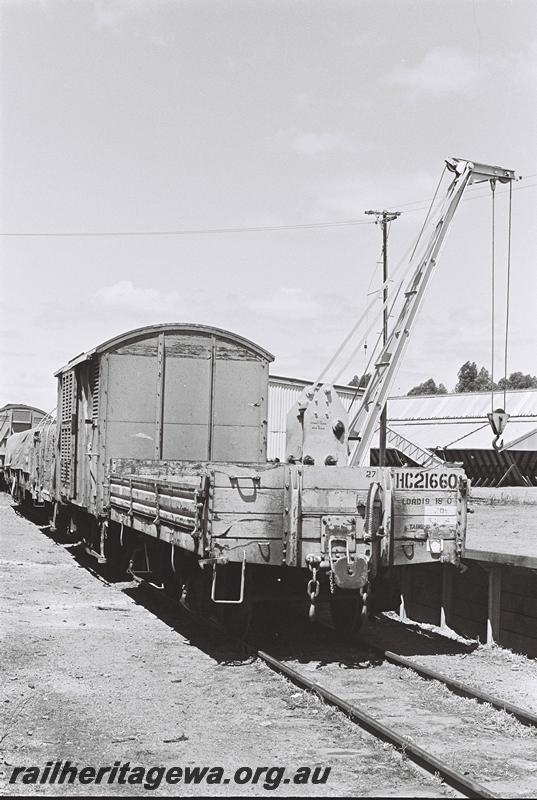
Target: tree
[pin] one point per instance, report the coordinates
(473, 380)
(360, 381)
(483, 382)
(467, 376)
(517, 380)
(428, 387)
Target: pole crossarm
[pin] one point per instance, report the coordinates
(385, 216)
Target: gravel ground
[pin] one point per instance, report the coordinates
(487, 667)
(490, 747)
(93, 677)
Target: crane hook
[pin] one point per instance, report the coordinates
(498, 420)
(496, 444)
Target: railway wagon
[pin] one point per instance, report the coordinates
(30, 463)
(161, 457)
(187, 392)
(15, 418)
(158, 462)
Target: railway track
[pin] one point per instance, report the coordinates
(455, 778)
(524, 716)
(420, 756)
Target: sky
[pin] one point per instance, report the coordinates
(170, 121)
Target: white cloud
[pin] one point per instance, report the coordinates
(442, 70)
(309, 143)
(351, 195)
(525, 64)
(109, 13)
(125, 295)
(286, 303)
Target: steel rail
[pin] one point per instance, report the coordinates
(524, 716)
(419, 756)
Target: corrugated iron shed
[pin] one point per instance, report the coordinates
(528, 441)
(520, 403)
(283, 394)
(455, 426)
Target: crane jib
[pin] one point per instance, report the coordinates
(365, 422)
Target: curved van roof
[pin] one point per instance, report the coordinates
(21, 407)
(150, 331)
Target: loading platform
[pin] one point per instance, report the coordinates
(495, 598)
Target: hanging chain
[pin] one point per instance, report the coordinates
(314, 586)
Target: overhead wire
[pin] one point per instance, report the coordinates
(198, 231)
(355, 327)
(391, 300)
(245, 229)
(469, 192)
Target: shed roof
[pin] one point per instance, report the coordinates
(149, 331)
(520, 403)
(460, 435)
(298, 383)
(528, 441)
(460, 420)
(431, 421)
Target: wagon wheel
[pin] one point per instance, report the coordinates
(346, 609)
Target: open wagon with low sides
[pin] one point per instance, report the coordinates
(238, 533)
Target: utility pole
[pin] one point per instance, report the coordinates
(383, 217)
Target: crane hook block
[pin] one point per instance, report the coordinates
(498, 420)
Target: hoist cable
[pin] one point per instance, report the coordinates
(370, 326)
(465, 436)
(394, 300)
(353, 330)
(425, 221)
(357, 325)
(507, 300)
(492, 289)
(380, 336)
